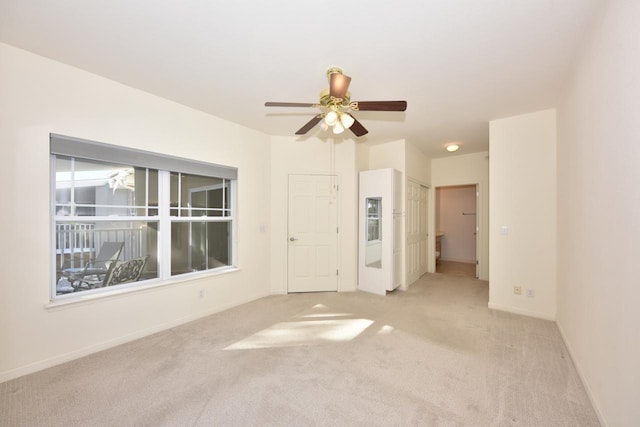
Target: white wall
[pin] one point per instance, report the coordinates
(459, 240)
(599, 214)
(293, 155)
(362, 157)
(463, 170)
(522, 177)
(417, 165)
(389, 155)
(40, 96)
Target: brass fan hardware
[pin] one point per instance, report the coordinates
(336, 106)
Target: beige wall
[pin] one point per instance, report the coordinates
(463, 170)
(599, 214)
(292, 155)
(522, 177)
(389, 155)
(418, 166)
(40, 96)
(362, 157)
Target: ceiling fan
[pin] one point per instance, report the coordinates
(336, 106)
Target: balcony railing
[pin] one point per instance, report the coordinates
(77, 244)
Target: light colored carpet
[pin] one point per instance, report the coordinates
(432, 356)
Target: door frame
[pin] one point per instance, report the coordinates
(478, 228)
(334, 182)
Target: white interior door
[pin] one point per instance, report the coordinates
(312, 234)
(417, 197)
(413, 231)
(423, 228)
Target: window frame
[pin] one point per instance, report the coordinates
(89, 150)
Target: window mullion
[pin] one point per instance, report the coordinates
(224, 188)
(164, 228)
(72, 195)
(180, 194)
(146, 192)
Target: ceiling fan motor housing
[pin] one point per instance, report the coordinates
(326, 99)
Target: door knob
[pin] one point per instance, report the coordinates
(293, 239)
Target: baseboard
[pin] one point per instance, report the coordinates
(76, 354)
(522, 311)
(585, 383)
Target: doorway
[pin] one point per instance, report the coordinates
(457, 230)
(312, 261)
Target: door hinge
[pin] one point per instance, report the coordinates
(336, 272)
(337, 229)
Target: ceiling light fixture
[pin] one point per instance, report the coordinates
(347, 120)
(331, 118)
(338, 128)
(452, 147)
(337, 120)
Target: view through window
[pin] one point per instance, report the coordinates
(109, 216)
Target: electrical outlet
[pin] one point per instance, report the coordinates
(531, 293)
(201, 294)
(517, 290)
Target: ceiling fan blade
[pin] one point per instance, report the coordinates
(338, 85)
(357, 128)
(310, 124)
(288, 104)
(382, 105)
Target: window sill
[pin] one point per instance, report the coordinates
(71, 299)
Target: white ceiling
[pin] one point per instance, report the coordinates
(458, 63)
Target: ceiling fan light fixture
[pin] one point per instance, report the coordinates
(333, 104)
(452, 147)
(346, 120)
(331, 118)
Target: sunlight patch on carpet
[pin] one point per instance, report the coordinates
(318, 315)
(309, 332)
(386, 330)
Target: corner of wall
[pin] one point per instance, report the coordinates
(522, 229)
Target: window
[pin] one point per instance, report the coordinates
(373, 219)
(112, 206)
(200, 223)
